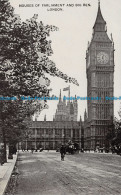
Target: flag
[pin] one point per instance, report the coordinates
(66, 89)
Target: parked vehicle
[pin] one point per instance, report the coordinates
(72, 148)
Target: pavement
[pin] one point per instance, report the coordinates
(5, 173)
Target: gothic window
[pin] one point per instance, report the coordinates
(46, 131)
(99, 131)
(38, 131)
(33, 131)
(41, 131)
(74, 133)
(71, 109)
(56, 132)
(68, 133)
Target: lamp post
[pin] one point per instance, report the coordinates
(35, 140)
(64, 136)
(27, 136)
(49, 139)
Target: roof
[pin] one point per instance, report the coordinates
(99, 19)
(100, 30)
(55, 124)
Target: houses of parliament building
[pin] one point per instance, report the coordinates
(63, 128)
(99, 115)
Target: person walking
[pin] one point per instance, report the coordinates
(32, 150)
(63, 152)
(2, 155)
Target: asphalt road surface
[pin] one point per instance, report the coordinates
(43, 173)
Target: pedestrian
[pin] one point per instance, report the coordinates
(32, 150)
(2, 155)
(63, 152)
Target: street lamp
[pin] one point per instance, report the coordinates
(35, 140)
(28, 135)
(27, 141)
(64, 136)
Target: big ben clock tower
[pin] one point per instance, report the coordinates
(100, 83)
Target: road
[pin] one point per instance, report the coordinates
(80, 174)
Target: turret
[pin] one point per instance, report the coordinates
(85, 115)
(80, 120)
(45, 117)
(60, 96)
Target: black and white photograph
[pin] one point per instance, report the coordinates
(60, 98)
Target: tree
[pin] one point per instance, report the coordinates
(25, 50)
(114, 135)
(24, 61)
(25, 53)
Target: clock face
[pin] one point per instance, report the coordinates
(102, 57)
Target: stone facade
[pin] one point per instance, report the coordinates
(100, 83)
(51, 134)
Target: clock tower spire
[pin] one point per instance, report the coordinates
(100, 28)
(100, 24)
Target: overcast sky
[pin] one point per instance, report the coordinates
(69, 44)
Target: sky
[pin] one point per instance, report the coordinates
(69, 43)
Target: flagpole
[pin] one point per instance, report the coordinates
(69, 93)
